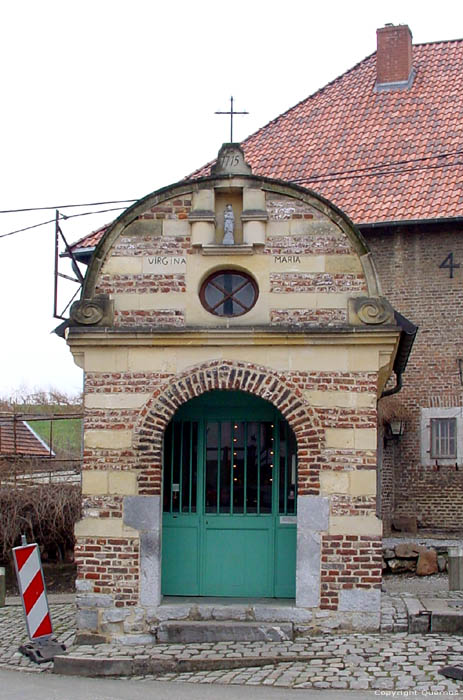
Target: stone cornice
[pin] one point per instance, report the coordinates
(104, 337)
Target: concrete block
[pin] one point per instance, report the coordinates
(366, 622)
(91, 666)
(339, 438)
(359, 600)
(106, 360)
(94, 600)
(162, 613)
(253, 198)
(92, 639)
(334, 482)
(230, 612)
(308, 569)
(312, 513)
(122, 483)
(94, 482)
(103, 527)
(119, 400)
(144, 227)
(135, 639)
(301, 227)
(264, 613)
(204, 200)
(365, 439)
(83, 585)
(202, 233)
(87, 620)
(172, 227)
(278, 228)
(346, 264)
(150, 568)
(122, 265)
(355, 525)
(108, 439)
(254, 232)
(189, 632)
(142, 512)
(115, 614)
(362, 482)
(343, 399)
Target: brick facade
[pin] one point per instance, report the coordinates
(301, 348)
(408, 260)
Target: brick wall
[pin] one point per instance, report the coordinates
(111, 565)
(408, 263)
(347, 562)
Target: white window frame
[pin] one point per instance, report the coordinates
(426, 415)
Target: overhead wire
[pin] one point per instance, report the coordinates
(68, 206)
(376, 170)
(50, 221)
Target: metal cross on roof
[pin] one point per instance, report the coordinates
(231, 113)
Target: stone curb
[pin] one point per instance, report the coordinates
(103, 666)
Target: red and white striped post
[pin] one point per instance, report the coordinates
(31, 583)
(32, 589)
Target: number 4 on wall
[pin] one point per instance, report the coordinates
(449, 264)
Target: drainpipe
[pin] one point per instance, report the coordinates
(407, 338)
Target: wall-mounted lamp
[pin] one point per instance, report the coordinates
(460, 369)
(395, 429)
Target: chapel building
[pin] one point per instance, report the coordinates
(235, 342)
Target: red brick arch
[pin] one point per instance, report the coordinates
(260, 381)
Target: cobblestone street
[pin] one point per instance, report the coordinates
(382, 662)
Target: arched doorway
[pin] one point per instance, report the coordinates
(229, 499)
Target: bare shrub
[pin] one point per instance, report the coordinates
(45, 513)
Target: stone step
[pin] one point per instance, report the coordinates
(192, 631)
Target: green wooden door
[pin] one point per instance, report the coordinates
(229, 499)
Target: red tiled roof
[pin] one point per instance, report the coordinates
(91, 239)
(379, 156)
(18, 438)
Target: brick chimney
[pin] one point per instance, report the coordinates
(394, 57)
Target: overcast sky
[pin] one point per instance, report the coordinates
(110, 100)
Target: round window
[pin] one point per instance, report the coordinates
(228, 293)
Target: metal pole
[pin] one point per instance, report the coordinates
(455, 568)
(55, 302)
(2, 586)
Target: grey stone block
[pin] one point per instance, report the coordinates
(308, 569)
(313, 513)
(150, 568)
(230, 612)
(83, 585)
(359, 600)
(419, 624)
(115, 615)
(92, 666)
(366, 622)
(142, 512)
(134, 639)
(451, 624)
(197, 632)
(168, 612)
(204, 612)
(87, 620)
(84, 638)
(94, 600)
(279, 614)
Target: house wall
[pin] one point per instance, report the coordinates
(408, 261)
